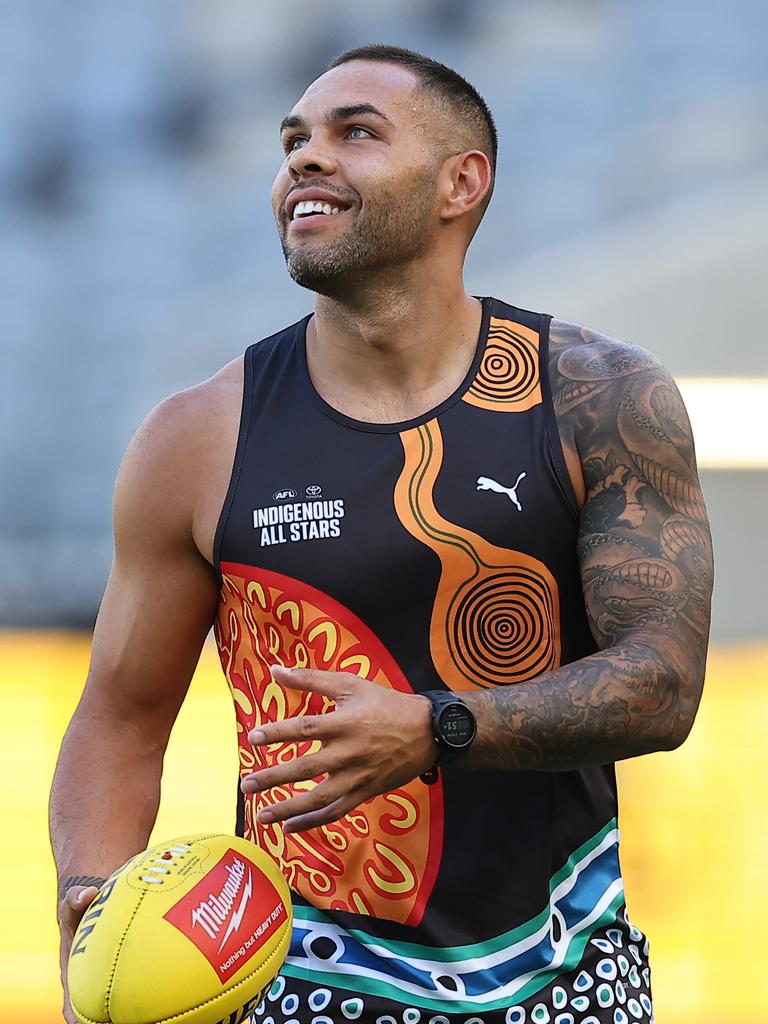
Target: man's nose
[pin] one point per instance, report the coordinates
(314, 157)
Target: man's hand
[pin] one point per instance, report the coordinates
(375, 740)
(75, 903)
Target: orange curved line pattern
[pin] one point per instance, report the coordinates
(508, 379)
(496, 615)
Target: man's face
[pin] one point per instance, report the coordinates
(361, 147)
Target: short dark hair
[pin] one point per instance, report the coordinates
(457, 91)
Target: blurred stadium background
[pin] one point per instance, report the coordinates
(137, 254)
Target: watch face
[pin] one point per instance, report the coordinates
(457, 726)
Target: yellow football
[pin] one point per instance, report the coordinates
(194, 930)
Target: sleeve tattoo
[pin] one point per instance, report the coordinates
(645, 555)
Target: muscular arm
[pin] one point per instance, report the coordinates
(157, 609)
(646, 566)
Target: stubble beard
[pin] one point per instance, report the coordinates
(380, 239)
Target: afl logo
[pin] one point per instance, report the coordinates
(288, 492)
(313, 490)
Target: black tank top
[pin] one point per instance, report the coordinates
(435, 553)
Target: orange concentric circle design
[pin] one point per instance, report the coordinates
(508, 379)
(502, 627)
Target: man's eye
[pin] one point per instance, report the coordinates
(357, 132)
(294, 143)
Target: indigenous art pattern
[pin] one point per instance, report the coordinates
(496, 616)
(580, 960)
(508, 378)
(381, 859)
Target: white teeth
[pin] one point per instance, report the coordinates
(308, 207)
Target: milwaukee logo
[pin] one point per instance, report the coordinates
(213, 913)
(230, 914)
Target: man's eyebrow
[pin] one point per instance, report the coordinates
(291, 121)
(337, 114)
(344, 113)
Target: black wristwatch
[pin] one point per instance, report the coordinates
(453, 727)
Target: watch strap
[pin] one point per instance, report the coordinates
(441, 699)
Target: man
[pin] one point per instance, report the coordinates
(458, 563)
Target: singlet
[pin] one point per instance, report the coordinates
(437, 553)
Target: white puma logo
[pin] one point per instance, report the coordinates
(484, 483)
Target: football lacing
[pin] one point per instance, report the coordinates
(164, 863)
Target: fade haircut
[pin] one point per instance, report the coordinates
(462, 97)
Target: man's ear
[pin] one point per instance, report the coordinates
(468, 183)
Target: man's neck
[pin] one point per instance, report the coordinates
(395, 353)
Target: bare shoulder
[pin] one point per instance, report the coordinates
(176, 467)
(584, 364)
(609, 394)
(587, 372)
(187, 413)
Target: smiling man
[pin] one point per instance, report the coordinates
(458, 563)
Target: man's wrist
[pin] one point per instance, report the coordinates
(453, 726)
(428, 748)
(80, 880)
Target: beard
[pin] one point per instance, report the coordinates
(388, 233)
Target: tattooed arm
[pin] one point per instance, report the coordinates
(646, 566)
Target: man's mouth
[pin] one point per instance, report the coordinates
(308, 208)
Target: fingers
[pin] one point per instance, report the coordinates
(324, 803)
(329, 814)
(328, 684)
(68, 1014)
(308, 728)
(300, 770)
(67, 1011)
(75, 903)
(348, 779)
(333, 685)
